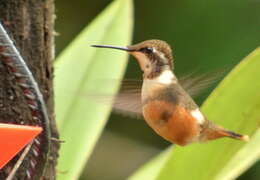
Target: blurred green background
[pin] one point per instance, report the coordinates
(205, 36)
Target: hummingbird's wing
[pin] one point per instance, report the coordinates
(194, 84)
(128, 100)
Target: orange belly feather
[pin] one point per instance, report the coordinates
(173, 122)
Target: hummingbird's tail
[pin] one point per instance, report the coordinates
(231, 134)
(213, 131)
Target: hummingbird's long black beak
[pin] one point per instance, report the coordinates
(112, 47)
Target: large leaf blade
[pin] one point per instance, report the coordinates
(77, 69)
(151, 169)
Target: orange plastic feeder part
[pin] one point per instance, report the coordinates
(13, 138)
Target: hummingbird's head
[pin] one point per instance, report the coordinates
(153, 56)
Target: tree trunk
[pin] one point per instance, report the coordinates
(30, 25)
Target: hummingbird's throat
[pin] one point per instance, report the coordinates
(152, 85)
(152, 65)
(166, 77)
(142, 60)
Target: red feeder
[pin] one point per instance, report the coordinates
(13, 138)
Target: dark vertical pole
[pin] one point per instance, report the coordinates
(30, 25)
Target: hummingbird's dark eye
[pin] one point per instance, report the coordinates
(147, 50)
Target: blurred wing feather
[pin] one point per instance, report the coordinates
(195, 84)
(128, 100)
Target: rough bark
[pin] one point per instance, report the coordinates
(30, 24)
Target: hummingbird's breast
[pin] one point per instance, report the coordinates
(170, 111)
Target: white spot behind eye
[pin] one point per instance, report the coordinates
(198, 115)
(162, 56)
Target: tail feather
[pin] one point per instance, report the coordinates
(214, 132)
(234, 135)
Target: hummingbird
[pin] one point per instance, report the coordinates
(166, 107)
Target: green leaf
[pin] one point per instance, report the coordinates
(234, 104)
(152, 169)
(77, 71)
